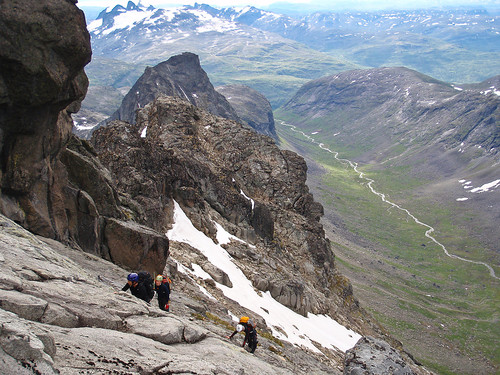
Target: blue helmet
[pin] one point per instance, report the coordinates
(133, 277)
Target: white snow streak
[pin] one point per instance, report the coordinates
(430, 229)
(486, 187)
(300, 330)
(183, 269)
(249, 199)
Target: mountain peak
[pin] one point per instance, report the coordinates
(180, 76)
(131, 6)
(400, 100)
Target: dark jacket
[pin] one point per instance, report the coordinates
(250, 336)
(139, 291)
(163, 292)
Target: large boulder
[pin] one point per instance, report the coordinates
(135, 246)
(371, 356)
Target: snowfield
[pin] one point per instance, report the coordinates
(300, 330)
(488, 187)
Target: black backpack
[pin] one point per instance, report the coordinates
(146, 279)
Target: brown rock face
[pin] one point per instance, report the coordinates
(44, 46)
(125, 238)
(180, 76)
(252, 107)
(53, 190)
(216, 168)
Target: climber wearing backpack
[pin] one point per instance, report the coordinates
(162, 288)
(248, 326)
(140, 285)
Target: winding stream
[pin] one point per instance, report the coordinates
(428, 232)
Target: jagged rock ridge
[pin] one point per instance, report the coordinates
(205, 162)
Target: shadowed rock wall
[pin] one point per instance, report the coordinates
(51, 190)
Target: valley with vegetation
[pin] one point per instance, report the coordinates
(445, 310)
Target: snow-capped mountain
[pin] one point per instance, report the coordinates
(449, 25)
(275, 54)
(135, 18)
(425, 40)
(230, 51)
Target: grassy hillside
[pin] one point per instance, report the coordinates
(445, 311)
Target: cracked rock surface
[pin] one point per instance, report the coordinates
(62, 311)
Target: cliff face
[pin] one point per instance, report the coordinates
(55, 191)
(42, 81)
(180, 76)
(252, 107)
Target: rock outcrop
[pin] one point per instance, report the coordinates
(42, 82)
(214, 167)
(252, 107)
(180, 76)
(53, 190)
(371, 356)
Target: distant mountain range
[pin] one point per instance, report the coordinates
(275, 54)
(229, 51)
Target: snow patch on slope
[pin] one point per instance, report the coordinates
(488, 187)
(300, 330)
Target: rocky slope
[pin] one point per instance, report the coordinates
(58, 306)
(50, 326)
(402, 106)
(210, 166)
(252, 107)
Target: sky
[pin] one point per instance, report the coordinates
(318, 4)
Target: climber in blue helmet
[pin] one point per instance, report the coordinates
(137, 288)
